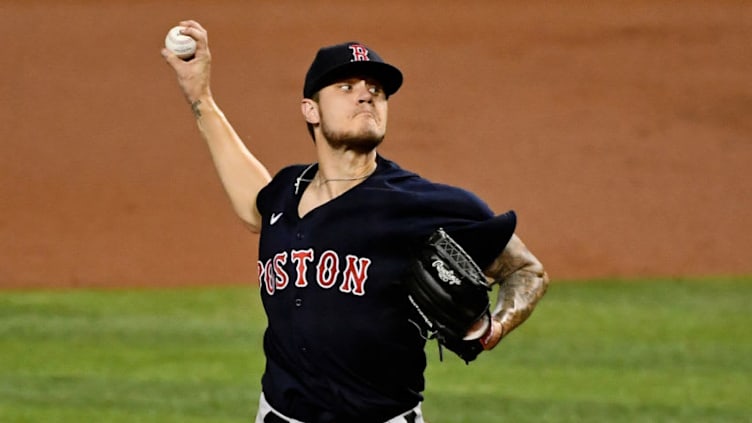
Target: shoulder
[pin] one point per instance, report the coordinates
(426, 193)
(292, 171)
(283, 184)
(405, 180)
(463, 214)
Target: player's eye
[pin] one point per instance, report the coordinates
(345, 87)
(375, 90)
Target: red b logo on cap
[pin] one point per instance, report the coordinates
(359, 52)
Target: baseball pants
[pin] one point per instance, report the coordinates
(267, 414)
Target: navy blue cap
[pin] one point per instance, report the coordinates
(349, 59)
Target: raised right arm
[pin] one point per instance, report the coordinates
(242, 175)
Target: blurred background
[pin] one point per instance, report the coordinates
(619, 131)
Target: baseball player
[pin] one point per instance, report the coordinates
(343, 341)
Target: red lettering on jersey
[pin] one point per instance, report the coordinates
(356, 274)
(269, 278)
(273, 276)
(261, 272)
(280, 276)
(301, 259)
(359, 52)
(327, 269)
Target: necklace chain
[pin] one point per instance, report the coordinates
(321, 181)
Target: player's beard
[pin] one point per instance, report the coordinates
(362, 141)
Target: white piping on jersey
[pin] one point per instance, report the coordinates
(300, 178)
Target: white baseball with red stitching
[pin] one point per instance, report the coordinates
(182, 45)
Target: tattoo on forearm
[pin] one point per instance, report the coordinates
(195, 107)
(518, 296)
(522, 282)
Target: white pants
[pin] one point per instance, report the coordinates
(265, 408)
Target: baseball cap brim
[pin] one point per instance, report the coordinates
(387, 75)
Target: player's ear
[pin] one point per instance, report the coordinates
(310, 110)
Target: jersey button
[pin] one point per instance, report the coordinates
(299, 235)
(298, 302)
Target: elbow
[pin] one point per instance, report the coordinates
(540, 271)
(536, 278)
(536, 267)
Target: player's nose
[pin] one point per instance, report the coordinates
(363, 90)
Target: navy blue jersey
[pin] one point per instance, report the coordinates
(341, 343)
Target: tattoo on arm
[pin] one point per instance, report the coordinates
(522, 282)
(195, 107)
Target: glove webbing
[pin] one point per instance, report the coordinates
(447, 247)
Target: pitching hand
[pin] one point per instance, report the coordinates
(193, 75)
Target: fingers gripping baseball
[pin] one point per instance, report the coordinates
(193, 75)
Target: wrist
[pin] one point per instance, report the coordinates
(492, 336)
(203, 105)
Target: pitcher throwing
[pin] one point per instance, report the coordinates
(338, 237)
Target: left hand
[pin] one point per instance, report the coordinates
(490, 337)
(493, 335)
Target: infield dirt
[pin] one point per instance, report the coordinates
(619, 131)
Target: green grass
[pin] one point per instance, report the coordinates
(601, 351)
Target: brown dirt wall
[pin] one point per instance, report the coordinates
(619, 131)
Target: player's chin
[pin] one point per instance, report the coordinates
(368, 122)
(363, 141)
(364, 145)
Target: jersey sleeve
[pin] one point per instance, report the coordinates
(469, 220)
(486, 239)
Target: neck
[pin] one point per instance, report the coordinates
(320, 180)
(345, 165)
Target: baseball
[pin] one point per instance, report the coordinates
(182, 45)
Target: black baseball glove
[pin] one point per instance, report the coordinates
(450, 294)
